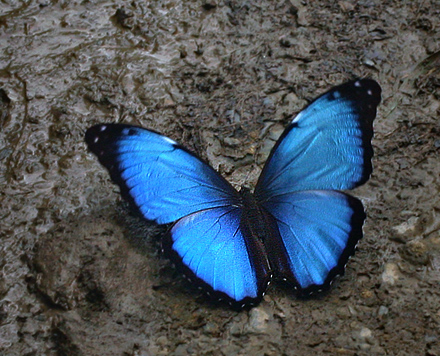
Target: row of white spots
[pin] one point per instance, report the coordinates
(358, 84)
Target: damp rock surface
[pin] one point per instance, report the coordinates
(80, 275)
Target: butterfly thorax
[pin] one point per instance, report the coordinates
(253, 215)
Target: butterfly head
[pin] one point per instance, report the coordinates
(245, 190)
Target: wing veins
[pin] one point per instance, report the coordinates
(235, 279)
(185, 176)
(293, 159)
(217, 221)
(314, 250)
(300, 244)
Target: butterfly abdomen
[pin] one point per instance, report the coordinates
(256, 230)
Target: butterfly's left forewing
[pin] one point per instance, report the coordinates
(163, 180)
(327, 145)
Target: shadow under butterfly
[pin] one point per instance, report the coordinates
(296, 226)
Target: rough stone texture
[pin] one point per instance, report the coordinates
(81, 276)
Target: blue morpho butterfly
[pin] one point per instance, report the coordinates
(296, 226)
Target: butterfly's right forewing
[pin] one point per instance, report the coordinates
(327, 145)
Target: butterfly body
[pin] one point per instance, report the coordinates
(296, 226)
(261, 226)
(254, 218)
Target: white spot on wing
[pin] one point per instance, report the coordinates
(96, 139)
(103, 128)
(168, 140)
(369, 92)
(357, 84)
(297, 117)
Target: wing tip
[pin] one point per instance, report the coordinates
(362, 88)
(107, 133)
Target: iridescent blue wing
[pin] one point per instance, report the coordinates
(327, 145)
(161, 178)
(169, 184)
(216, 250)
(318, 232)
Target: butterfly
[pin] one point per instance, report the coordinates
(297, 226)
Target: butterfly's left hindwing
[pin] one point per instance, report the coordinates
(216, 250)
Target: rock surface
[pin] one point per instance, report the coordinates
(81, 276)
